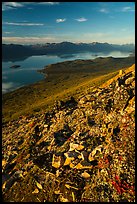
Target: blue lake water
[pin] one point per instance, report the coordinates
(27, 72)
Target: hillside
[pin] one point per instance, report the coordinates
(62, 81)
(83, 149)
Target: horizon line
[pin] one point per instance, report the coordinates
(67, 42)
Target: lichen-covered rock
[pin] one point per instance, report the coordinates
(85, 175)
(75, 146)
(57, 161)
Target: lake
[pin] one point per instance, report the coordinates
(13, 78)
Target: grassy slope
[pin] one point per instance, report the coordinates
(64, 80)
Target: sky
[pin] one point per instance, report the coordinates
(87, 22)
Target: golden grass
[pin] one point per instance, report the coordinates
(41, 96)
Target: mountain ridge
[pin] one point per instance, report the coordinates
(11, 51)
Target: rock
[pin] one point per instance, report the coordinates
(84, 155)
(18, 174)
(69, 187)
(57, 172)
(62, 199)
(68, 161)
(35, 191)
(45, 126)
(85, 175)
(3, 162)
(37, 131)
(57, 161)
(130, 110)
(132, 101)
(78, 166)
(15, 177)
(9, 183)
(11, 157)
(95, 150)
(121, 72)
(71, 165)
(90, 157)
(57, 192)
(39, 185)
(79, 147)
(83, 165)
(5, 177)
(80, 156)
(75, 146)
(82, 100)
(62, 135)
(20, 141)
(129, 80)
(9, 167)
(71, 154)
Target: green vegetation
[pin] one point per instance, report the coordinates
(70, 78)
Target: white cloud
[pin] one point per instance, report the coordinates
(104, 10)
(110, 37)
(127, 9)
(97, 35)
(49, 3)
(23, 24)
(15, 5)
(11, 5)
(60, 20)
(81, 19)
(7, 32)
(28, 40)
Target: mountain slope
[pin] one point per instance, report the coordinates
(62, 81)
(82, 150)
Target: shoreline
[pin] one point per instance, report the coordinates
(65, 79)
(47, 67)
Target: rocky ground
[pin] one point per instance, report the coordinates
(83, 150)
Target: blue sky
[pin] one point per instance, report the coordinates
(42, 22)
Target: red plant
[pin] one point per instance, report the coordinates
(32, 124)
(120, 158)
(122, 187)
(106, 161)
(117, 177)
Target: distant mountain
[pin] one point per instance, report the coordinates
(14, 51)
(11, 51)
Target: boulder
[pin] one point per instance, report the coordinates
(121, 72)
(76, 146)
(57, 161)
(95, 150)
(85, 175)
(68, 160)
(83, 165)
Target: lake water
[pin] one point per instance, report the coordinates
(27, 73)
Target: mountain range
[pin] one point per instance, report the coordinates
(12, 51)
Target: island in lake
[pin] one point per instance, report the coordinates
(15, 66)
